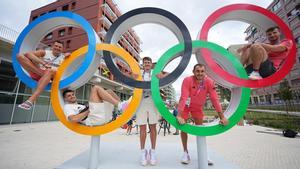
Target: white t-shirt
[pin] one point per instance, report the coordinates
(146, 77)
(72, 109)
(53, 60)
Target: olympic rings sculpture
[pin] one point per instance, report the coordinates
(226, 70)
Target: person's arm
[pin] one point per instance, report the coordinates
(134, 75)
(274, 48)
(185, 94)
(36, 57)
(162, 75)
(282, 47)
(215, 101)
(67, 55)
(79, 117)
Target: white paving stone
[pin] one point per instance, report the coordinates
(47, 145)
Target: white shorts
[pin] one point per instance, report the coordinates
(147, 112)
(100, 114)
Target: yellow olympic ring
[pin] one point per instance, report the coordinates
(95, 130)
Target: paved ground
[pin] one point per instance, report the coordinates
(47, 145)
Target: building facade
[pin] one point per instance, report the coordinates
(289, 12)
(14, 92)
(100, 14)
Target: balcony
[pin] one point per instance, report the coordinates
(105, 21)
(290, 5)
(109, 12)
(133, 43)
(130, 48)
(102, 33)
(8, 35)
(294, 21)
(133, 34)
(296, 31)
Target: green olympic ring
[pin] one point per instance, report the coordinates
(191, 129)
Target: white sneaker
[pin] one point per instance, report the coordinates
(152, 157)
(185, 158)
(144, 160)
(124, 104)
(254, 75)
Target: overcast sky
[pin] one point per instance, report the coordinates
(15, 14)
(193, 13)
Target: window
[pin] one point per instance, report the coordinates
(298, 40)
(68, 44)
(70, 30)
(73, 6)
(8, 79)
(61, 32)
(49, 36)
(276, 6)
(65, 8)
(42, 14)
(34, 18)
(54, 10)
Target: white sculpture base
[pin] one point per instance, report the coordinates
(116, 155)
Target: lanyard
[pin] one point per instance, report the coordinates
(200, 87)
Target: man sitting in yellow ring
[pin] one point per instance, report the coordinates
(99, 110)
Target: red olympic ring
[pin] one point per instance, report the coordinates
(276, 77)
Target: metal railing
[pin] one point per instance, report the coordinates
(8, 34)
(109, 11)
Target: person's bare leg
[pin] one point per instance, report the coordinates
(29, 66)
(184, 139)
(184, 136)
(103, 94)
(129, 129)
(258, 55)
(43, 82)
(245, 57)
(94, 96)
(198, 121)
(113, 94)
(153, 135)
(143, 136)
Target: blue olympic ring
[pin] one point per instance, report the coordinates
(29, 31)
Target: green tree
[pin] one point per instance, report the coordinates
(286, 94)
(224, 93)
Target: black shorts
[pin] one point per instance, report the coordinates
(129, 123)
(266, 69)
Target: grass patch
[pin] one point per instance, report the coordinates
(278, 121)
(293, 107)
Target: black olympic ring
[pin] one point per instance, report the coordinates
(159, 16)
